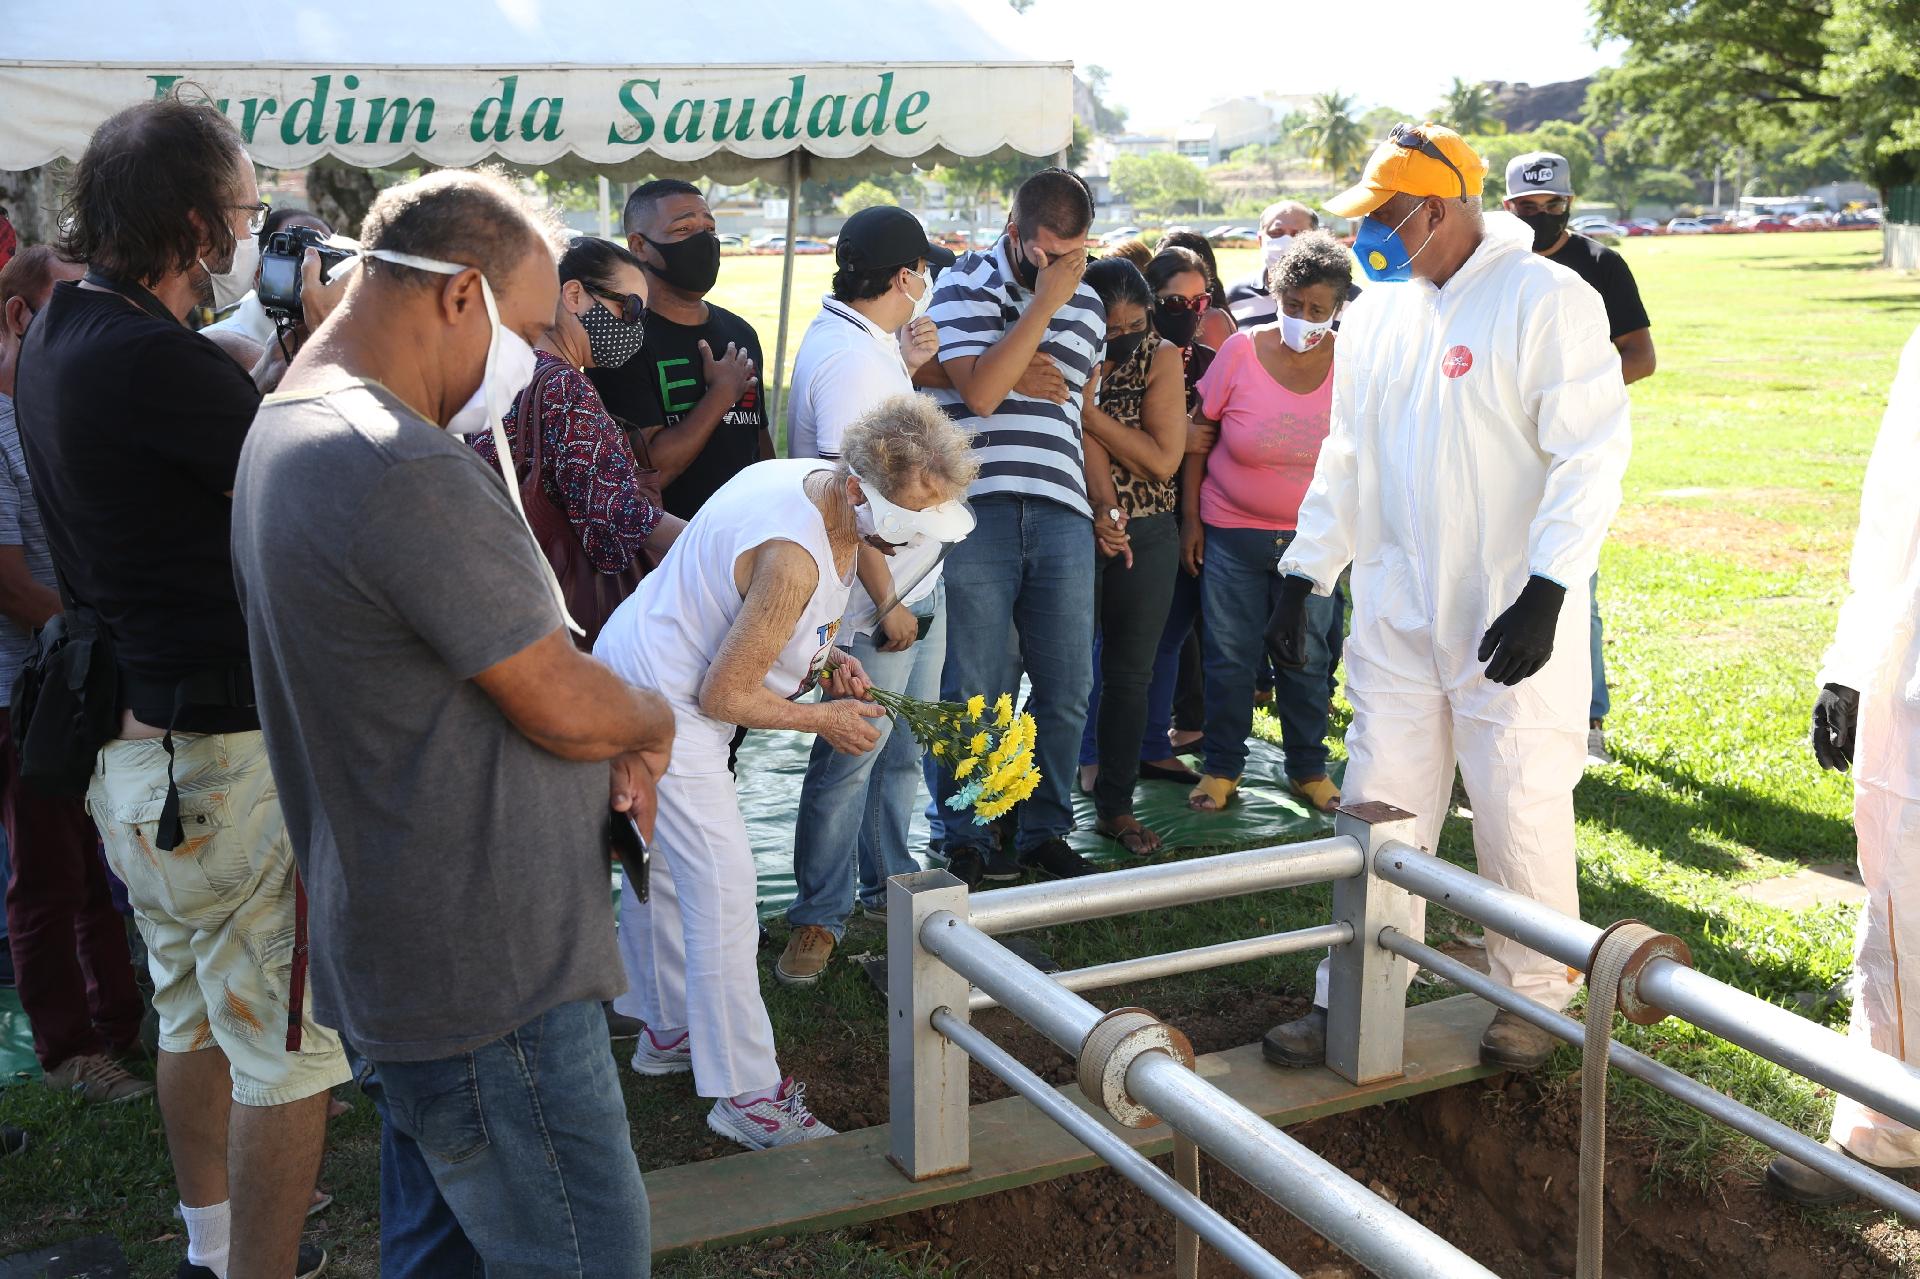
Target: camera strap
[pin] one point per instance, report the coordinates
(136, 293)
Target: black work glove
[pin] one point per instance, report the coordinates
(1521, 639)
(1287, 624)
(1836, 718)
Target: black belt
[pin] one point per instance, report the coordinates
(228, 687)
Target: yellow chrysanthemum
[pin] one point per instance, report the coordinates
(1007, 776)
(1003, 711)
(979, 743)
(997, 760)
(966, 766)
(939, 749)
(994, 809)
(976, 706)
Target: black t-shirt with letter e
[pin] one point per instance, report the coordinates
(1610, 277)
(663, 383)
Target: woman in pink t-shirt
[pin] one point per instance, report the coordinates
(1270, 393)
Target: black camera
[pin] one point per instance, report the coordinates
(280, 269)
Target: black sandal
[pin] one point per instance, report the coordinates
(1155, 773)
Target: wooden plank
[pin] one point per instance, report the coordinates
(846, 1179)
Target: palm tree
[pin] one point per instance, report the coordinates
(1468, 108)
(1334, 139)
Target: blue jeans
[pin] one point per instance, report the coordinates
(524, 1142)
(1601, 702)
(1032, 560)
(419, 1236)
(858, 807)
(1239, 589)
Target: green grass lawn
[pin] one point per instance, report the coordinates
(1719, 587)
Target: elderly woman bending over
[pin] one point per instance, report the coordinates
(734, 627)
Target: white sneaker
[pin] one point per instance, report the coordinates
(780, 1121)
(1597, 746)
(649, 1060)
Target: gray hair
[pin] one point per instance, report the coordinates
(1314, 257)
(909, 436)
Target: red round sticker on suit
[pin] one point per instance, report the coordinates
(1456, 362)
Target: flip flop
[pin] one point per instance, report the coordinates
(1213, 794)
(1155, 773)
(1134, 838)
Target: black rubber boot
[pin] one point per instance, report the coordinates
(1300, 1042)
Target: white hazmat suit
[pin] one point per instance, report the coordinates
(1876, 652)
(1479, 435)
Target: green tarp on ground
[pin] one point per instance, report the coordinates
(16, 1041)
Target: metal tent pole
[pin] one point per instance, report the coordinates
(771, 388)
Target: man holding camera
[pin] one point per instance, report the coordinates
(425, 708)
(132, 426)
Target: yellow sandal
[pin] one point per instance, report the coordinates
(1216, 791)
(1318, 791)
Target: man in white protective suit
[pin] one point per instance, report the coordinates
(1479, 434)
(1868, 718)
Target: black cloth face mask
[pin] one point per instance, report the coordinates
(690, 265)
(1023, 268)
(1121, 349)
(1547, 228)
(1177, 325)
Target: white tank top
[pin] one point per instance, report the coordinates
(667, 634)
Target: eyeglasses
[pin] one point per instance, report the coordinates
(256, 215)
(632, 308)
(1409, 138)
(1555, 207)
(1199, 302)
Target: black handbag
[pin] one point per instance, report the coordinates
(66, 700)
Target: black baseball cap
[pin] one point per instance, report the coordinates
(880, 238)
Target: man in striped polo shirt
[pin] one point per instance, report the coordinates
(1031, 557)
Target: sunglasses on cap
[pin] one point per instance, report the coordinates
(1409, 138)
(630, 307)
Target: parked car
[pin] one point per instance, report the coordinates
(1118, 234)
(1767, 224)
(733, 242)
(1687, 226)
(1811, 222)
(801, 245)
(1586, 220)
(1234, 236)
(1604, 231)
(1640, 226)
(1854, 221)
(1711, 220)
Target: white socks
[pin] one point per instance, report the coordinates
(208, 1231)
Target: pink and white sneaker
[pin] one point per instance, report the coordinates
(781, 1120)
(649, 1058)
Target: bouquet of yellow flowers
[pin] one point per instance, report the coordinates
(991, 755)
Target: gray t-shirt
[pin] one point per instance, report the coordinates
(456, 873)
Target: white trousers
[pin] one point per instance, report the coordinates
(1886, 966)
(1402, 748)
(691, 952)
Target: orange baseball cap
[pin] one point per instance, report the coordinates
(1429, 160)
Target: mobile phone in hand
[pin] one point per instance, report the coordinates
(626, 846)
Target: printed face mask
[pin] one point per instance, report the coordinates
(1383, 254)
(611, 339)
(690, 265)
(1302, 334)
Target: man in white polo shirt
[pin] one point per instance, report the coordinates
(872, 333)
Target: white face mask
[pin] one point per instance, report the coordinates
(925, 300)
(1302, 334)
(1273, 250)
(234, 283)
(509, 367)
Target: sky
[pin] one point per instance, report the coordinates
(1387, 52)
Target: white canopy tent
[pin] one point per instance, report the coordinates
(755, 89)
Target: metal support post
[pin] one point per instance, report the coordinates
(1367, 985)
(927, 1073)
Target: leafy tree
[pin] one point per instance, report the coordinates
(998, 175)
(1160, 183)
(1558, 136)
(1107, 118)
(866, 195)
(1379, 122)
(1468, 108)
(1820, 79)
(1335, 140)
